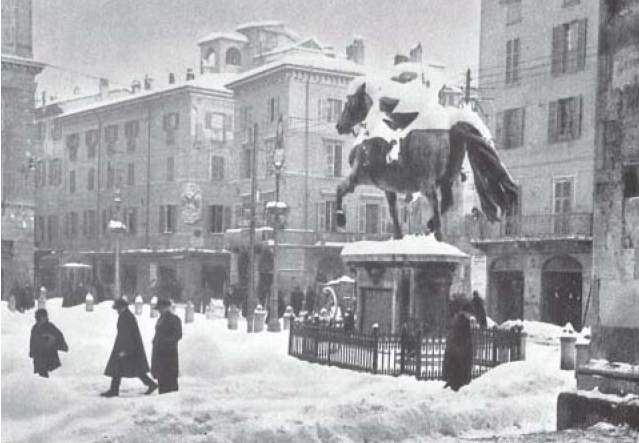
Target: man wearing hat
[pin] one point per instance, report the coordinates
(128, 358)
(164, 360)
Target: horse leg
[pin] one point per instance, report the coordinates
(347, 186)
(391, 198)
(434, 225)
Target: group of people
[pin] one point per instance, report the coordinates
(128, 357)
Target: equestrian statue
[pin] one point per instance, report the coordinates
(406, 142)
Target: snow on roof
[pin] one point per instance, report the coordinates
(411, 247)
(116, 224)
(320, 62)
(259, 24)
(300, 46)
(236, 36)
(212, 82)
(74, 265)
(342, 279)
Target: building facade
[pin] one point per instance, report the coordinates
(18, 153)
(538, 65)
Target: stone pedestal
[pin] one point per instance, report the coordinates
(404, 281)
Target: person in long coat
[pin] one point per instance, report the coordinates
(478, 309)
(458, 357)
(164, 360)
(128, 358)
(46, 340)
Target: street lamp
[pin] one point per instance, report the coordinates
(276, 212)
(116, 226)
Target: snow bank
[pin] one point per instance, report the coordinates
(245, 388)
(537, 331)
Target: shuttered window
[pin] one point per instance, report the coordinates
(512, 61)
(219, 218)
(565, 119)
(569, 47)
(217, 167)
(510, 128)
(168, 219)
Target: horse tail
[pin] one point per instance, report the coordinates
(353, 154)
(494, 185)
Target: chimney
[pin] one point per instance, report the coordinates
(147, 82)
(135, 86)
(190, 75)
(104, 88)
(416, 53)
(171, 78)
(400, 58)
(355, 51)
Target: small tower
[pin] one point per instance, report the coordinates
(355, 51)
(222, 52)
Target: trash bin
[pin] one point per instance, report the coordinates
(288, 316)
(42, 300)
(259, 317)
(233, 315)
(189, 312)
(568, 352)
(88, 302)
(154, 303)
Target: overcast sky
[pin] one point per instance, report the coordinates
(124, 39)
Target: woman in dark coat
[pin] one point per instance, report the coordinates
(478, 310)
(46, 341)
(164, 360)
(458, 357)
(128, 358)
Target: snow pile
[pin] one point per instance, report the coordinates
(245, 388)
(410, 246)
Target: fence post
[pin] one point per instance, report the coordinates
(522, 345)
(375, 345)
(495, 339)
(316, 334)
(418, 355)
(328, 351)
(402, 349)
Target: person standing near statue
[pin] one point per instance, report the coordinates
(478, 309)
(128, 358)
(164, 359)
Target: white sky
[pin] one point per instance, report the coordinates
(124, 39)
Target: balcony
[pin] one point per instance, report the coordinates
(348, 237)
(567, 226)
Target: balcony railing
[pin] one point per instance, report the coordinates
(532, 226)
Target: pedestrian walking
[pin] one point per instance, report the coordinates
(128, 358)
(46, 340)
(164, 360)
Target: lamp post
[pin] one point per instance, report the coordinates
(277, 212)
(116, 227)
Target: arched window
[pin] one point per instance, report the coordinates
(211, 58)
(233, 57)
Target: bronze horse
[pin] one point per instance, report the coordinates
(429, 159)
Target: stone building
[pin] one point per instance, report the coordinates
(538, 65)
(167, 150)
(18, 90)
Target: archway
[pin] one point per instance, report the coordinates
(233, 57)
(507, 288)
(561, 282)
(210, 60)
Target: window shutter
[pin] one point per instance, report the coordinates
(509, 61)
(522, 126)
(552, 121)
(338, 160)
(227, 217)
(319, 109)
(161, 220)
(514, 76)
(499, 130)
(385, 218)
(361, 217)
(581, 43)
(557, 49)
(577, 116)
(321, 216)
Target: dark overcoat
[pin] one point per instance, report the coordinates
(46, 341)
(164, 360)
(458, 357)
(129, 341)
(479, 311)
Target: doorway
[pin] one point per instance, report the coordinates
(507, 289)
(562, 291)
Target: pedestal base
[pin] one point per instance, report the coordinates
(273, 326)
(580, 410)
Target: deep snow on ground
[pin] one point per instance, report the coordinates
(243, 387)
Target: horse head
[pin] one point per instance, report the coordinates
(355, 110)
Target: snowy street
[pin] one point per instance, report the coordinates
(244, 388)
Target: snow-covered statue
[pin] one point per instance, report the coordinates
(407, 142)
